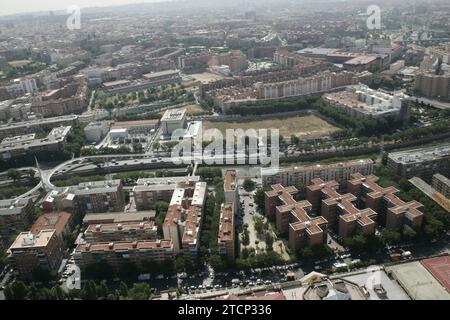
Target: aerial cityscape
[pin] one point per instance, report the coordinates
(242, 150)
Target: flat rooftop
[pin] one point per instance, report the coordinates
(420, 155)
(52, 220)
(96, 187)
(230, 180)
(440, 269)
(337, 165)
(318, 51)
(361, 60)
(117, 217)
(226, 226)
(418, 282)
(122, 226)
(124, 245)
(160, 74)
(174, 115)
(28, 240)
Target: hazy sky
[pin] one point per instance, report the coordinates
(19, 6)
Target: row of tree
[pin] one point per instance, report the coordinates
(91, 291)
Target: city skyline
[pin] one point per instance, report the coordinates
(30, 6)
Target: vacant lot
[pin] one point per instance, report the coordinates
(206, 77)
(307, 127)
(192, 110)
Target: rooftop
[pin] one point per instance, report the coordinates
(423, 154)
(29, 240)
(230, 180)
(174, 115)
(124, 246)
(117, 217)
(53, 220)
(226, 226)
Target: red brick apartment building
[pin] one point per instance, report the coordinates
(339, 210)
(292, 217)
(356, 212)
(393, 211)
(226, 237)
(29, 252)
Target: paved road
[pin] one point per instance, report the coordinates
(435, 103)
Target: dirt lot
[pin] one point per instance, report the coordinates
(307, 127)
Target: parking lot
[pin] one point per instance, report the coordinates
(204, 282)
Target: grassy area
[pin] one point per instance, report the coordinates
(12, 191)
(191, 110)
(330, 160)
(307, 127)
(76, 180)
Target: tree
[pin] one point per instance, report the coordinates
(102, 290)
(246, 237)
(248, 184)
(408, 233)
(433, 227)
(138, 148)
(161, 208)
(259, 198)
(156, 145)
(99, 270)
(357, 243)
(129, 271)
(16, 291)
(258, 224)
(90, 290)
(390, 237)
(139, 291)
(217, 262)
(58, 293)
(13, 174)
(31, 173)
(123, 289)
(269, 241)
(179, 264)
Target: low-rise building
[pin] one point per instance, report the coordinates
(96, 131)
(422, 162)
(21, 145)
(173, 120)
(36, 125)
(148, 81)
